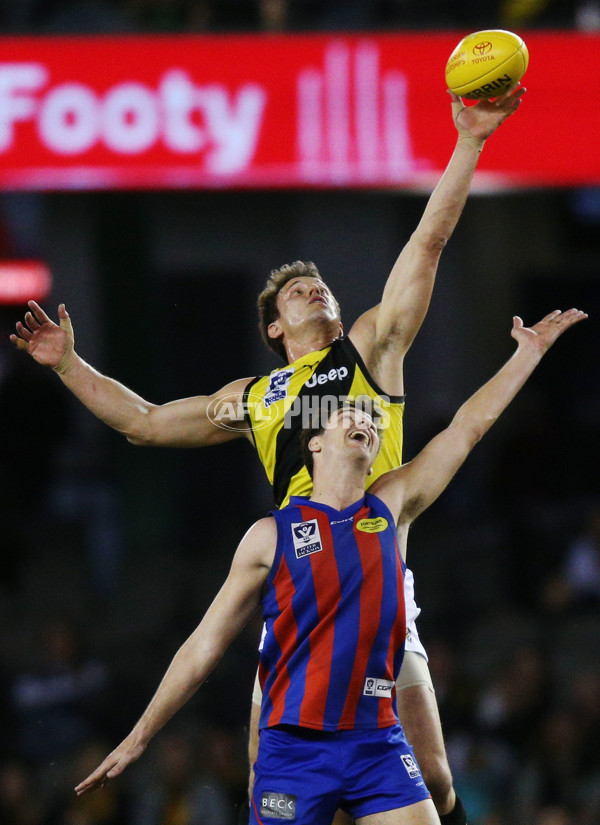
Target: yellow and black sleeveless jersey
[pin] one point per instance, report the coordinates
(278, 406)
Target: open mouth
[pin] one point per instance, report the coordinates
(318, 300)
(362, 436)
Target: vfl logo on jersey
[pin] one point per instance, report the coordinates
(377, 687)
(278, 387)
(307, 538)
(412, 769)
(372, 525)
(275, 805)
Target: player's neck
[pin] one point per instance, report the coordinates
(301, 343)
(339, 489)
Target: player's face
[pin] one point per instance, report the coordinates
(353, 432)
(303, 299)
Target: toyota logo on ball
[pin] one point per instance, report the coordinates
(483, 47)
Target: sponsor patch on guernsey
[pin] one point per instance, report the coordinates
(372, 525)
(377, 687)
(306, 537)
(275, 805)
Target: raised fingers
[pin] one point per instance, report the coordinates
(510, 101)
(511, 95)
(569, 315)
(572, 316)
(23, 332)
(18, 342)
(39, 313)
(31, 321)
(554, 314)
(560, 321)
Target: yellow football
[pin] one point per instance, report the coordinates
(486, 64)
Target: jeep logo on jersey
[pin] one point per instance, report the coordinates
(306, 538)
(274, 805)
(372, 525)
(278, 386)
(323, 377)
(377, 687)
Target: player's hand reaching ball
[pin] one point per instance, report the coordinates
(481, 120)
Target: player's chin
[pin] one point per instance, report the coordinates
(318, 312)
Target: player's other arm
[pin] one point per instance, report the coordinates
(413, 487)
(228, 614)
(393, 324)
(190, 422)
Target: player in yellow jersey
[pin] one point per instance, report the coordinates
(280, 405)
(300, 316)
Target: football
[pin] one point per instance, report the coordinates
(486, 64)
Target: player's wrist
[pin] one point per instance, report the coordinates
(66, 363)
(140, 736)
(476, 143)
(531, 352)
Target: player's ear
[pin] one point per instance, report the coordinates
(341, 329)
(314, 445)
(274, 330)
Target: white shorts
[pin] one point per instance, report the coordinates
(413, 643)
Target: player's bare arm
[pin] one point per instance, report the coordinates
(384, 334)
(413, 487)
(198, 421)
(198, 656)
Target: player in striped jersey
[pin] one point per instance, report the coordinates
(329, 572)
(304, 321)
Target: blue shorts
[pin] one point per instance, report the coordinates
(303, 776)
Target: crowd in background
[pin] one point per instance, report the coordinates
(290, 15)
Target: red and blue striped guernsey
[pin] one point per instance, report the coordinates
(335, 618)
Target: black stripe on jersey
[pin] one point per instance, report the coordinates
(288, 452)
(393, 399)
(245, 402)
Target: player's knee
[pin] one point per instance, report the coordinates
(438, 778)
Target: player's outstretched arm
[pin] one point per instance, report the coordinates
(228, 614)
(413, 487)
(187, 422)
(389, 329)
